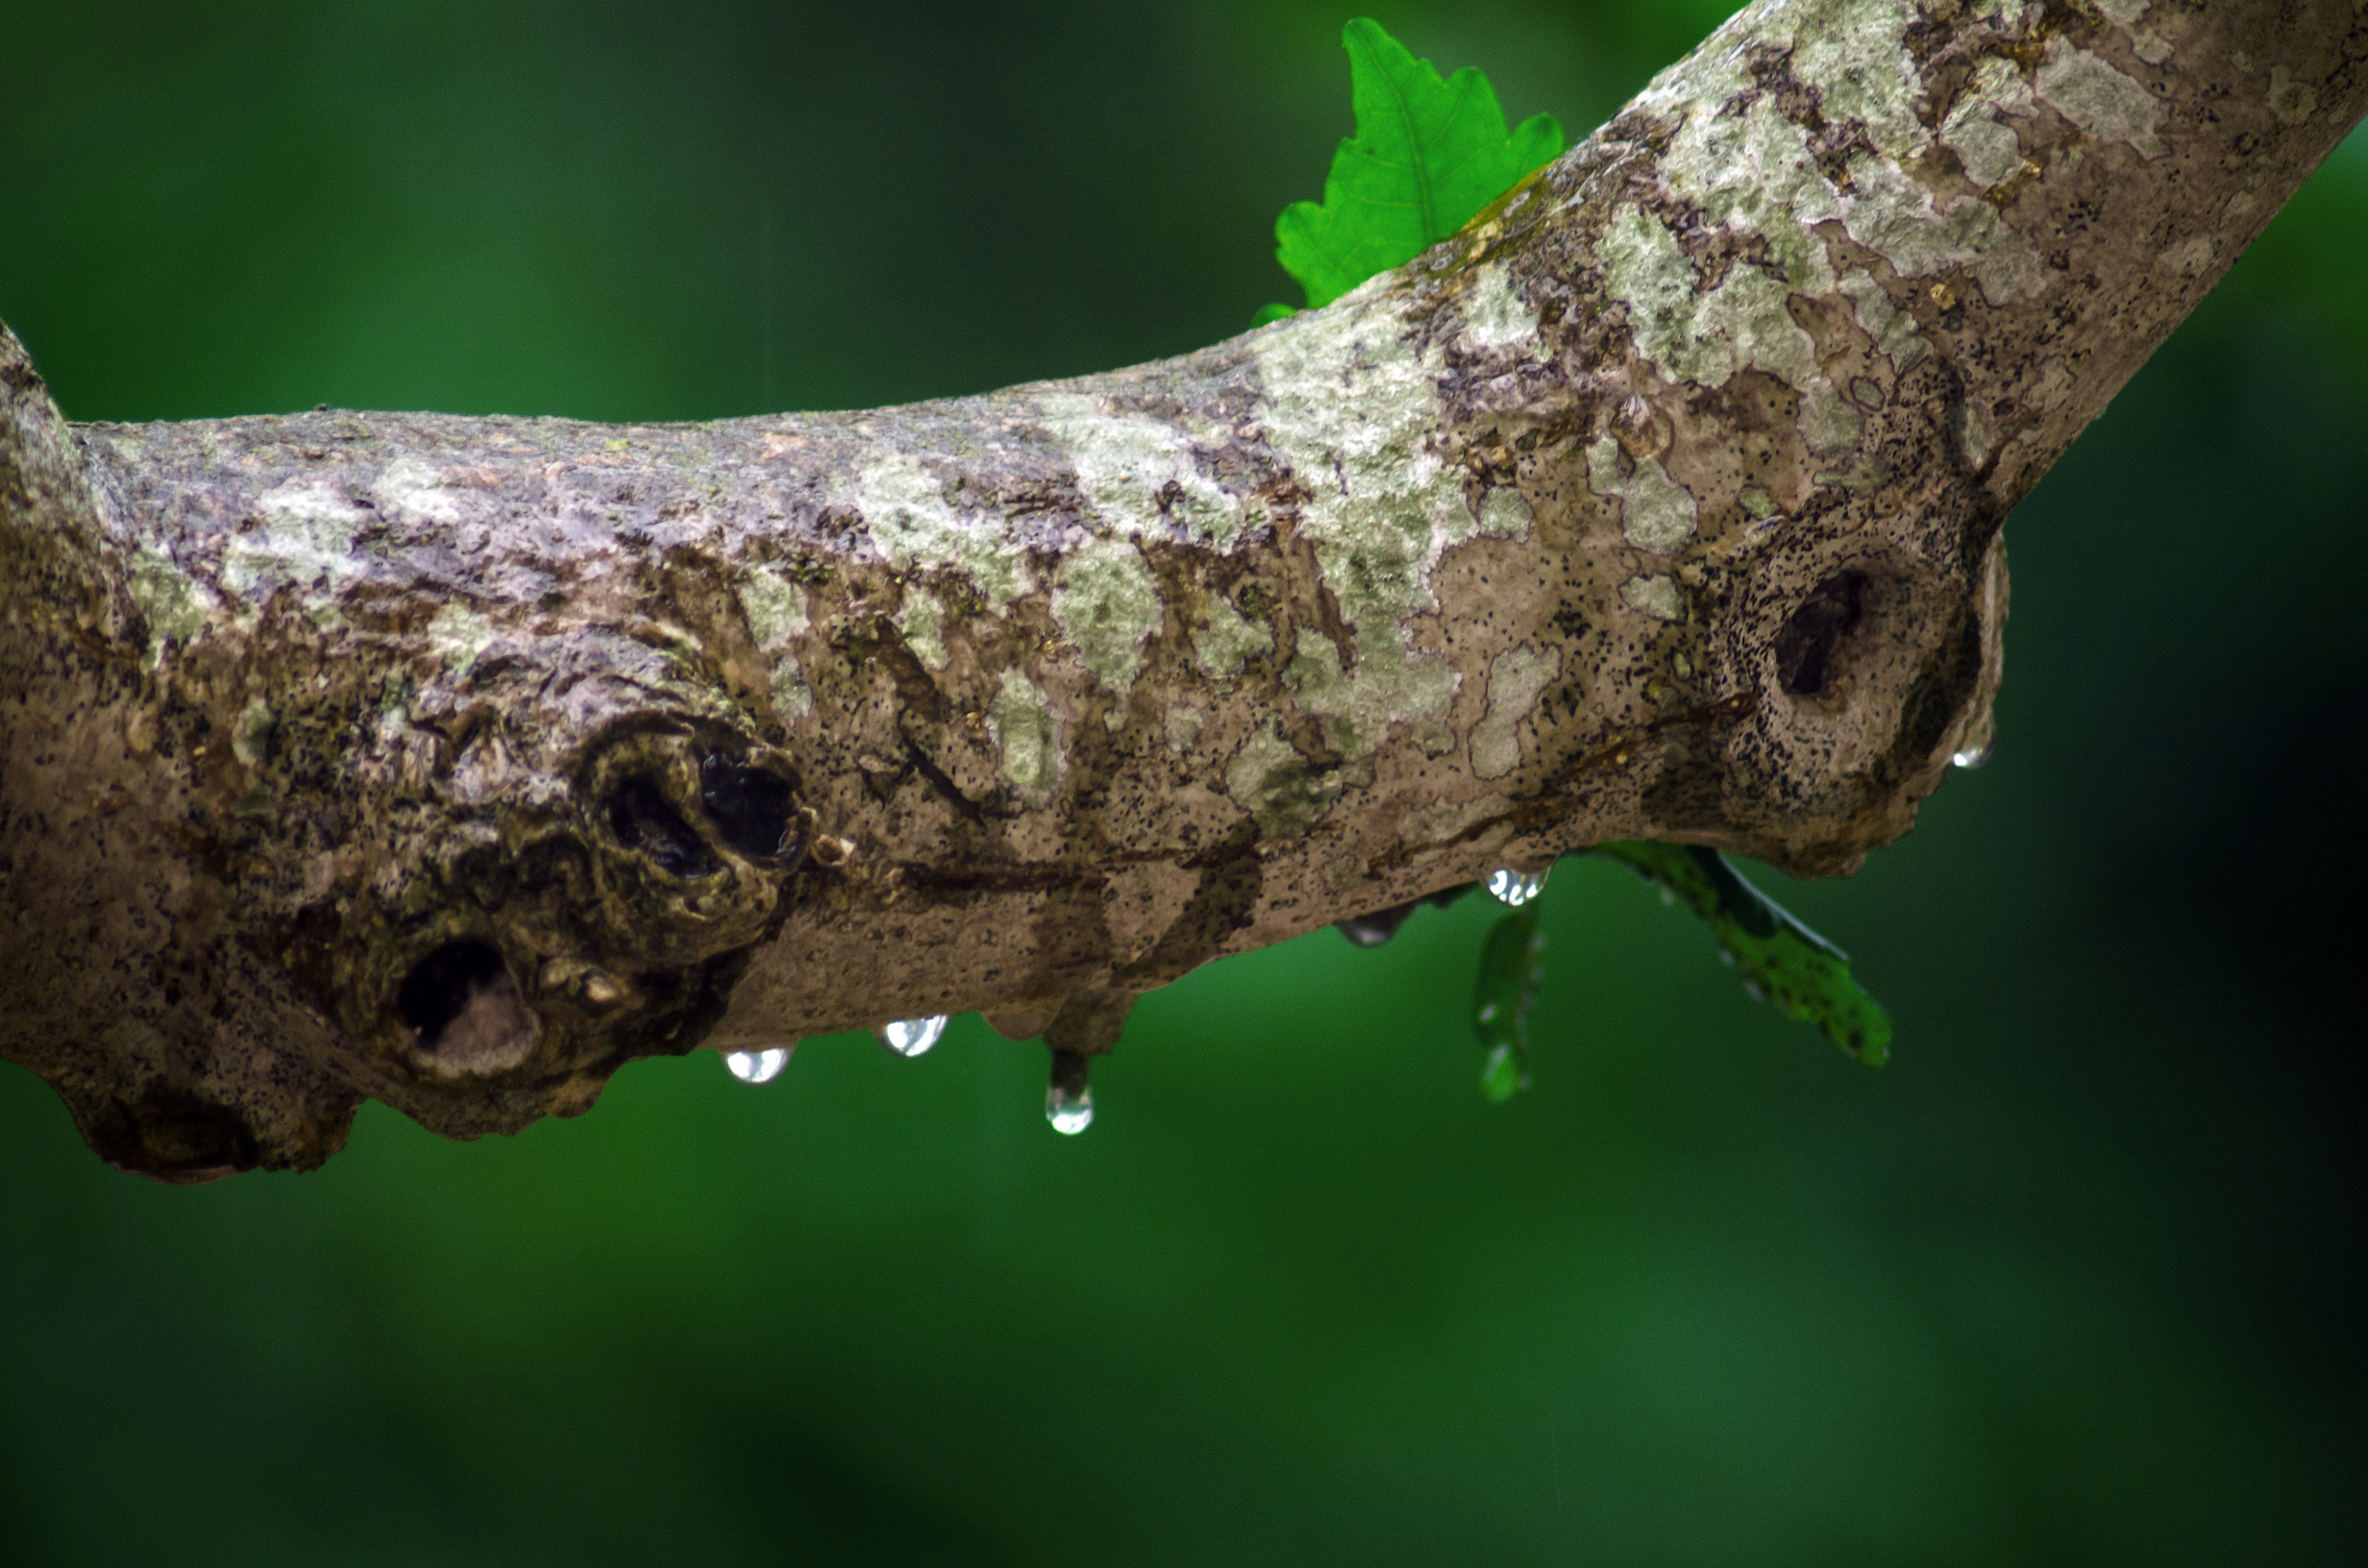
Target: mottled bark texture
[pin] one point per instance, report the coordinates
(455, 762)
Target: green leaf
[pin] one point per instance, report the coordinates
(1501, 995)
(1805, 975)
(1427, 156)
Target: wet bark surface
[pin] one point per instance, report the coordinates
(453, 762)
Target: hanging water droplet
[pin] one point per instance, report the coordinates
(1069, 1113)
(1069, 1101)
(1513, 889)
(758, 1066)
(1373, 930)
(1973, 756)
(913, 1037)
(1669, 896)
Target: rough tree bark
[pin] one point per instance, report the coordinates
(455, 762)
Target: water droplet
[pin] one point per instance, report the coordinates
(1973, 756)
(1754, 991)
(913, 1037)
(1069, 1113)
(1069, 1101)
(1374, 929)
(758, 1066)
(1669, 896)
(1513, 889)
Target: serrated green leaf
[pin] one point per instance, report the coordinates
(1805, 975)
(1427, 156)
(1511, 967)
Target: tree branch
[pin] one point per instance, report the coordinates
(453, 762)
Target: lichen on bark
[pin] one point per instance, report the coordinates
(455, 762)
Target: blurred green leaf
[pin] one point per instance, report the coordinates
(1511, 969)
(1805, 975)
(1427, 156)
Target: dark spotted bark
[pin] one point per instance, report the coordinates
(453, 762)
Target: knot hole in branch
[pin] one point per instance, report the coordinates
(1812, 645)
(465, 1010)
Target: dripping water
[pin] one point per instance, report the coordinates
(1513, 888)
(758, 1066)
(1068, 1100)
(912, 1037)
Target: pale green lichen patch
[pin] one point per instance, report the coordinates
(2125, 15)
(1135, 471)
(1828, 423)
(1864, 473)
(2190, 256)
(1893, 330)
(1656, 513)
(1389, 686)
(904, 507)
(1228, 640)
(922, 621)
(1850, 50)
(2051, 386)
(791, 699)
(1970, 424)
(1701, 337)
(776, 607)
(174, 607)
(1646, 269)
(1028, 733)
(409, 485)
(1655, 596)
(1514, 679)
(1279, 788)
(1997, 85)
(1504, 513)
(777, 614)
(1893, 214)
(1753, 175)
(250, 737)
(1494, 315)
(1986, 146)
(2292, 102)
(1105, 602)
(307, 536)
(458, 635)
(1182, 724)
(1353, 411)
(2086, 89)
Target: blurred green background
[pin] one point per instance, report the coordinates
(2075, 1279)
